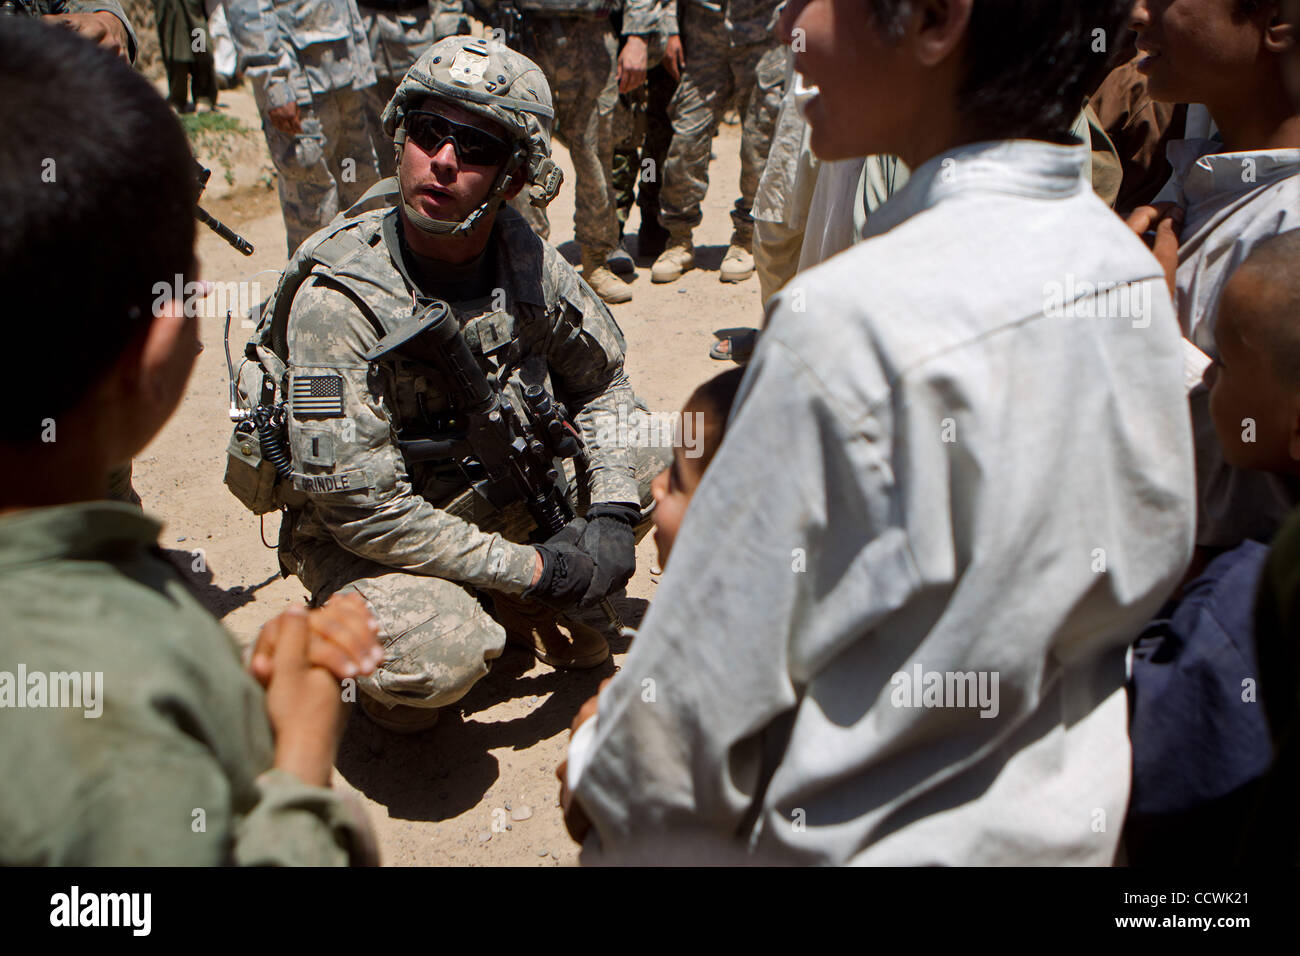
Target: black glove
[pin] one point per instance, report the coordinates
(567, 571)
(610, 542)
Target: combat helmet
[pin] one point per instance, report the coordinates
(488, 79)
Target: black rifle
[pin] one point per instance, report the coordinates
(516, 463)
(205, 217)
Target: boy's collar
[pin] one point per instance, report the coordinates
(1018, 167)
(83, 529)
(1202, 168)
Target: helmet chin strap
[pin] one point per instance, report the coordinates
(451, 228)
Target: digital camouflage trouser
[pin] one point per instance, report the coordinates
(579, 57)
(438, 636)
(326, 167)
(715, 71)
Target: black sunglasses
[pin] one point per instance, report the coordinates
(473, 145)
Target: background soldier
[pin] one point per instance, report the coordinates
(576, 47)
(427, 553)
(730, 50)
(399, 31)
(642, 132)
(310, 64)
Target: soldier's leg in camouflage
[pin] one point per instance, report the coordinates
(308, 195)
(629, 130)
(589, 78)
(760, 78)
(543, 50)
(695, 108)
(352, 155)
(437, 638)
(376, 98)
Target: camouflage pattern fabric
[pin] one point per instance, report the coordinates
(314, 53)
(412, 539)
(719, 65)
(642, 132)
(397, 38)
(325, 168)
(579, 57)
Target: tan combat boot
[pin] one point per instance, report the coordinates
(738, 263)
(535, 627)
(603, 282)
(400, 719)
(677, 258)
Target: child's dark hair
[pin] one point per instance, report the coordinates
(97, 194)
(714, 398)
(1029, 62)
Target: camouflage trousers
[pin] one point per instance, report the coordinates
(642, 132)
(325, 168)
(579, 57)
(715, 72)
(377, 98)
(438, 635)
(396, 39)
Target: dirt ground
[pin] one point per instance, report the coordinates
(480, 788)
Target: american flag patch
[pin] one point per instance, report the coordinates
(317, 396)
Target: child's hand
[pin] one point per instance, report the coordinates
(1160, 227)
(303, 702)
(343, 640)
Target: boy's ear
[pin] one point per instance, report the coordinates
(938, 28)
(167, 351)
(1279, 35)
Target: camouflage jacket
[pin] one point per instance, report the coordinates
(541, 325)
(296, 49)
(40, 8)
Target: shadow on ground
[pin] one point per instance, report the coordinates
(220, 601)
(447, 770)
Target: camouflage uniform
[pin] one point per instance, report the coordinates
(642, 132)
(412, 539)
(576, 47)
(41, 8)
(731, 50)
(313, 52)
(399, 31)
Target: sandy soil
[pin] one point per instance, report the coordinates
(480, 788)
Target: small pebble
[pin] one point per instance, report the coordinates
(543, 852)
(521, 813)
(484, 837)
